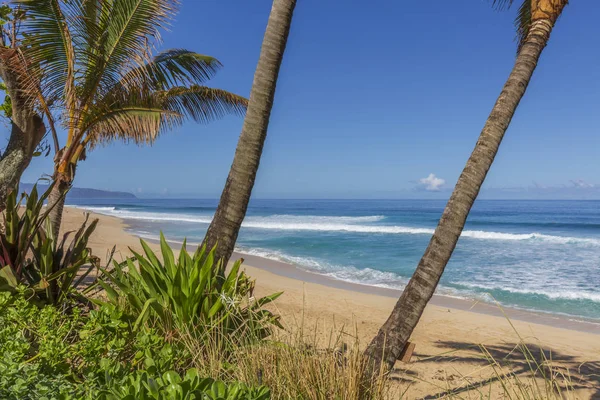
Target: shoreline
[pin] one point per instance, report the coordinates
(291, 271)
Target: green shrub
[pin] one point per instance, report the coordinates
(191, 294)
(56, 267)
(45, 350)
(46, 353)
(150, 385)
(33, 351)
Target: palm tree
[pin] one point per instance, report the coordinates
(97, 68)
(534, 23)
(225, 226)
(27, 125)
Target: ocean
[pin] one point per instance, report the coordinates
(542, 256)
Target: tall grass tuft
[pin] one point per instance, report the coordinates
(294, 366)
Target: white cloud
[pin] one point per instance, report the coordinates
(432, 183)
(580, 183)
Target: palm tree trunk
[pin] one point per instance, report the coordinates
(387, 346)
(225, 226)
(56, 200)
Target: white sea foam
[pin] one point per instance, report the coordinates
(364, 276)
(99, 210)
(323, 218)
(318, 223)
(555, 294)
(351, 274)
(529, 236)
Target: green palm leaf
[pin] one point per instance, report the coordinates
(142, 116)
(522, 21)
(49, 46)
(125, 33)
(173, 67)
(203, 104)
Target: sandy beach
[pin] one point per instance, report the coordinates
(448, 355)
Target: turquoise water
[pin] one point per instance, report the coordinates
(538, 255)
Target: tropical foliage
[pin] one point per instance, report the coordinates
(30, 255)
(49, 354)
(191, 293)
(20, 104)
(171, 386)
(96, 73)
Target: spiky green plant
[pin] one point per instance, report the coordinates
(20, 228)
(191, 293)
(30, 255)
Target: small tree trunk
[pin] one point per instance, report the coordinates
(56, 200)
(225, 226)
(27, 127)
(385, 348)
(26, 134)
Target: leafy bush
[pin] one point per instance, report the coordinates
(33, 348)
(191, 294)
(49, 351)
(150, 385)
(54, 344)
(49, 354)
(55, 268)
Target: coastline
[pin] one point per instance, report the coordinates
(291, 271)
(448, 336)
(288, 270)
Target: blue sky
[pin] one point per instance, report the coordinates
(380, 99)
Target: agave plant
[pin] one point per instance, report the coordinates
(31, 256)
(191, 293)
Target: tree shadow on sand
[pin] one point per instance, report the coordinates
(510, 360)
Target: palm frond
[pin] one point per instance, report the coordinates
(23, 85)
(88, 27)
(523, 23)
(126, 34)
(503, 4)
(203, 104)
(15, 75)
(49, 47)
(141, 116)
(137, 124)
(173, 67)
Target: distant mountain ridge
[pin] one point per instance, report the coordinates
(82, 193)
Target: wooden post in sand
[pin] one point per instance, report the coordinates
(407, 352)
